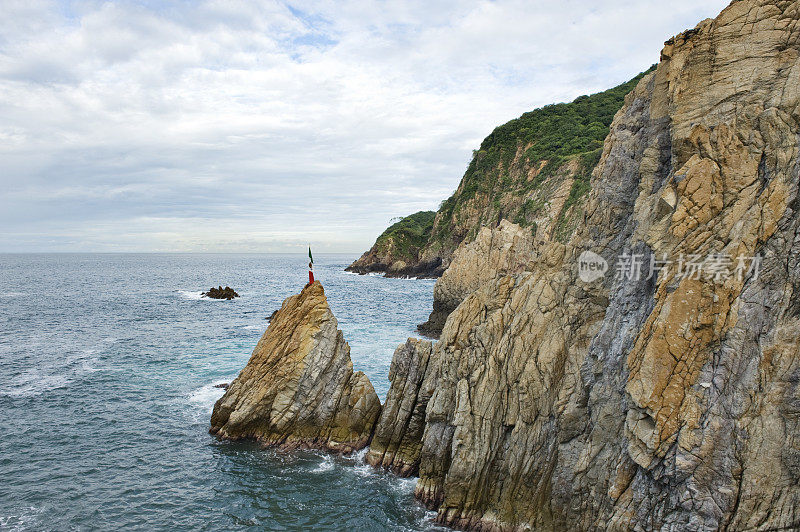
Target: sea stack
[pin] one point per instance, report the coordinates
(298, 390)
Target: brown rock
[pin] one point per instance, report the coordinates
(507, 248)
(298, 389)
(397, 440)
(655, 403)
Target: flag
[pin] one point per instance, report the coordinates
(309, 254)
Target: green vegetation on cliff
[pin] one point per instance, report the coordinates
(406, 237)
(519, 173)
(544, 139)
(568, 217)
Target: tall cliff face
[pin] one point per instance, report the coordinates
(505, 249)
(533, 171)
(398, 434)
(663, 401)
(298, 390)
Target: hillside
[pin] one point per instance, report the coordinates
(533, 170)
(397, 249)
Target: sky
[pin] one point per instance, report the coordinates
(240, 126)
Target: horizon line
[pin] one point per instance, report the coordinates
(176, 252)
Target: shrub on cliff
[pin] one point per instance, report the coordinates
(553, 133)
(408, 235)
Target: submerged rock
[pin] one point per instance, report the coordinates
(298, 390)
(221, 293)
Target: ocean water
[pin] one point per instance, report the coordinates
(107, 372)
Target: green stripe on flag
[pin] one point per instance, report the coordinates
(309, 254)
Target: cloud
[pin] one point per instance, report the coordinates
(249, 126)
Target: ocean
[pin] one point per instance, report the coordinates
(108, 367)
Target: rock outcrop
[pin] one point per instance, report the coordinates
(505, 249)
(221, 293)
(298, 390)
(663, 398)
(398, 433)
(396, 251)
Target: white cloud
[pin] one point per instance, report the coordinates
(262, 126)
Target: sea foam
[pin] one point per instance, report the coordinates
(203, 398)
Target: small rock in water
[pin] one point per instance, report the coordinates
(221, 293)
(223, 385)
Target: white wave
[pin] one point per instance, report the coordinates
(24, 520)
(188, 294)
(85, 362)
(326, 465)
(405, 485)
(254, 327)
(203, 398)
(193, 295)
(360, 456)
(361, 467)
(10, 295)
(32, 383)
(36, 381)
(420, 279)
(404, 278)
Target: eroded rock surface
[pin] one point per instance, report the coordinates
(298, 390)
(504, 249)
(645, 402)
(397, 440)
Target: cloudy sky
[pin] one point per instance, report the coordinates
(230, 126)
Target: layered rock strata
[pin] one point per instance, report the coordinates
(505, 249)
(663, 399)
(298, 390)
(397, 440)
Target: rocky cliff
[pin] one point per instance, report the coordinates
(533, 171)
(664, 394)
(396, 252)
(505, 249)
(298, 390)
(398, 433)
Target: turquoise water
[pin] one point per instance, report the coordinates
(107, 372)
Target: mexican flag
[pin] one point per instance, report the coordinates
(310, 258)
